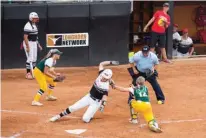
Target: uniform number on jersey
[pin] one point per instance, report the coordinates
(143, 94)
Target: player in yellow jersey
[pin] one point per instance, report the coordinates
(141, 103)
(45, 75)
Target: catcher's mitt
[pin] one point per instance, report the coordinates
(59, 78)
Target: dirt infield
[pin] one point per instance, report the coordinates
(182, 116)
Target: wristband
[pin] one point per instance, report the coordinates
(104, 102)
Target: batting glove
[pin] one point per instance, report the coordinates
(114, 62)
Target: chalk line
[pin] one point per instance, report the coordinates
(141, 125)
(177, 121)
(33, 113)
(15, 135)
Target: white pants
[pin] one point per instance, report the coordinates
(91, 110)
(32, 55)
(180, 55)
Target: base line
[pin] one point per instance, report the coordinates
(15, 135)
(141, 125)
(33, 113)
(176, 121)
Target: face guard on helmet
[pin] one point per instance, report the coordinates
(33, 15)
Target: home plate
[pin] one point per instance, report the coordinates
(76, 131)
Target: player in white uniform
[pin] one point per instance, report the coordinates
(31, 43)
(96, 98)
(176, 39)
(185, 48)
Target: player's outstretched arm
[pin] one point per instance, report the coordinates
(122, 89)
(106, 63)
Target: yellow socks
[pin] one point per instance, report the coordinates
(50, 92)
(38, 95)
(50, 89)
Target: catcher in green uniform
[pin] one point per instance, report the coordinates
(141, 103)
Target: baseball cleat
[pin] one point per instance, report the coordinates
(167, 61)
(133, 121)
(160, 102)
(155, 129)
(54, 118)
(51, 98)
(29, 76)
(153, 126)
(35, 103)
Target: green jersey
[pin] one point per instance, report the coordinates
(46, 62)
(140, 93)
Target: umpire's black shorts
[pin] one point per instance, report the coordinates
(158, 37)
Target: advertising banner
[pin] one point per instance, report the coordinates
(67, 40)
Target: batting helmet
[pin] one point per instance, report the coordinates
(33, 15)
(107, 74)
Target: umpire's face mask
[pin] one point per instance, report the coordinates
(145, 54)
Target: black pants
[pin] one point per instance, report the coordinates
(155, 85)
(158, 37)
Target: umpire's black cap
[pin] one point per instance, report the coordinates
(145, 49)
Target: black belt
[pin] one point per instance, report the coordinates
(32, 40)
(95, 99)
(141, 73)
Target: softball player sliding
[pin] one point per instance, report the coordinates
(44, 73)
(96, 98)
(30, 43)
(141, 103)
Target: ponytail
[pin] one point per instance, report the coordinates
(49, 54)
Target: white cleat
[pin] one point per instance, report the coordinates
(51, 98)
(54, 118)
(35, 103)
(154, 127)
(133, 121)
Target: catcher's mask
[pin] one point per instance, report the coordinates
(106, 74)
(33, 16)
